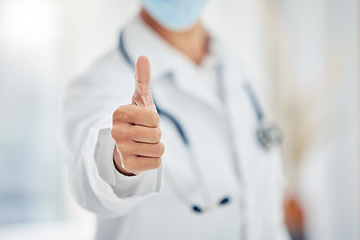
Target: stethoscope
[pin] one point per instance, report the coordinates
(268, 135)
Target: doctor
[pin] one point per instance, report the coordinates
(184, 155)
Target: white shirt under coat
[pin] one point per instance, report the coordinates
(219, 126)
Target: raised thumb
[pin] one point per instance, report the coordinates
(142, 94)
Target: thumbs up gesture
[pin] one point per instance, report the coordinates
(136, 128)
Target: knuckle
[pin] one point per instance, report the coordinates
(116, 112)
(161, 149)
(155, 163)
(119, 133)
(121, 146)
(123, 115)
(113, 133)
(126, 161)
(125, 164)
(155, 119)
(124, 132)
(157, 134)
(120, 114)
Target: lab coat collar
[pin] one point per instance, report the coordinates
(139, 39)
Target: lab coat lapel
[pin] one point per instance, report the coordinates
(237, 112)
(256, 165)
(233, 107)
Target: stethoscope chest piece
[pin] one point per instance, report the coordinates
(269, 134)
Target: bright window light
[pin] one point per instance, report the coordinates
(27, 23)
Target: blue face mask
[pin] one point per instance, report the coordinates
(175, 15)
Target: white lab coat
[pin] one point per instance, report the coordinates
(146, 206)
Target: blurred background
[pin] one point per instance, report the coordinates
(304, 59)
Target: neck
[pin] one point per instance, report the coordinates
(192, 42)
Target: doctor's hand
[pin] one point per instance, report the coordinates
(136, 128)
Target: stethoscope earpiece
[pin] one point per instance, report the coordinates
(197, 209)
(224, 201)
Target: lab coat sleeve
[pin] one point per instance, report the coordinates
(86, 121)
